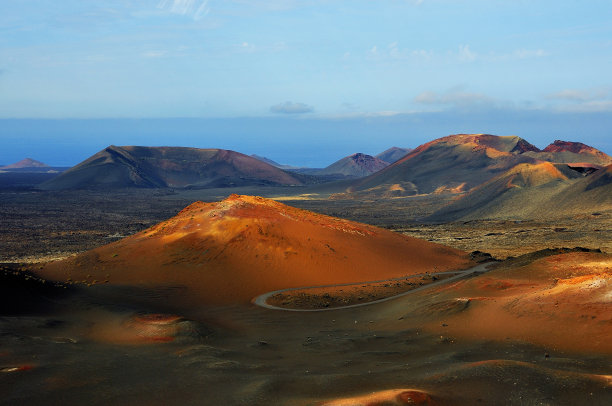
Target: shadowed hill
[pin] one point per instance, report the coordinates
(589, 194)
(271, 162)
(356, 165)
(393, 154)
(158, 167)
(533, 191)
(233, 250)
(514, 193)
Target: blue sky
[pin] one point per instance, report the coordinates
(328, 65)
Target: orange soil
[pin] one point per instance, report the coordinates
(533, 174)
(231, 251)
(562, 302)
(386, 398)
(137, 330)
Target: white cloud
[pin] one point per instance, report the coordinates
(594, 106)
(529, 53)
(422, 54)
(465, 54)
(456, 97)
(153, 54)
(194, 8)
(583, 100)
(249, 47)
(289, 107)
(394, 51)
(581, 95)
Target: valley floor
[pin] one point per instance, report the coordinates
(105, 344)
(42, 225)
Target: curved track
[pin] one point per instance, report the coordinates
(261, 300)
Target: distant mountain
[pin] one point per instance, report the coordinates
(463, 161)
(26, 163)
(393, 154)
(271, 162)
(568, 152)
(567, 146)
(159, 167)
(356, 165)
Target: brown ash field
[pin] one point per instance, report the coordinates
(41, 225)
(529, 330)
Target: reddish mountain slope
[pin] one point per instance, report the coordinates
(26, 163)
(561, 302)
(231, 251)
(573, 152)
(468, 159)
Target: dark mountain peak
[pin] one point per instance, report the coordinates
(355, 165)
(569, 146)
(360, 157)
(524, 146)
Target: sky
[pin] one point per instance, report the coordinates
(301, 81)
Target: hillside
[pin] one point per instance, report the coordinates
(531, 191)
(159, 167)
(231, 251)
(273, 163)
(465, 160)
(458, 163)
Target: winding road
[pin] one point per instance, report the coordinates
(262, 300)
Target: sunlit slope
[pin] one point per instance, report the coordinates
(562, 302)
(231, 251)
(463, 161)
(469, 159)
(533, 192)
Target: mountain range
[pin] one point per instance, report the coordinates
(488, 176)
